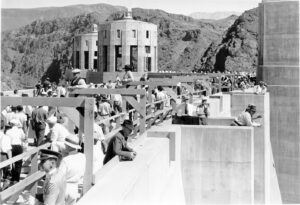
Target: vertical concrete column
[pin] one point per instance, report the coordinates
(141, 51)
(126, 36)
(279, 67)
(81, 53)
(91, 53)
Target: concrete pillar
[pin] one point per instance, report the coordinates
(141, 51)
(111, 57)
(279, 67)
(91, 54)
(125, 47)
(81, 54)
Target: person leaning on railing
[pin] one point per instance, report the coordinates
(118, 144)
(246, 117)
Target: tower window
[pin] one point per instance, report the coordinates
(119, 33)
(147, 34)
(96, 43)
(105, 34)
(96, 53)
(148, 49)
(134, 33)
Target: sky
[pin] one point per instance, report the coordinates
(172, 6)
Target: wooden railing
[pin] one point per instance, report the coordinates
(30, 182)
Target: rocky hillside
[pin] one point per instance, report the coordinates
(45, 47)
(16, 18)
(213, 15)
(238, 49)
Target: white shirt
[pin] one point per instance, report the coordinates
(59, 133)
(16, 135)
(245, 119)
(5, 144)
(116, 97)
(104, 108)
(21, 117)
(98, 132)
(180, 110)
(128, 77)
(74, 167)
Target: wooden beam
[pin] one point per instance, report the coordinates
(98, 91)
(88, 143)
(42, 101)
(143, 102)
(23, 155)
(74, 116)
(139, 107)
(20, 185)
(163, 83)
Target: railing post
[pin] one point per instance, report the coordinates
(143, 102)
(88, 143)
(34, 169)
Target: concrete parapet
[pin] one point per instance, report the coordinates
(134, 182)
(239, 102)
(217, 164)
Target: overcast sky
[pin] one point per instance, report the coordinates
(172, 6)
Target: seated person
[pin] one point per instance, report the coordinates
(246, 117)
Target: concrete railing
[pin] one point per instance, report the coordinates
(133, 182)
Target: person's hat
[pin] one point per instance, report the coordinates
(52, 119)
(14, 122)
(44, 93)
(49, 154)
(128, 124)
(127, 67)
(54, 94)
(185, 97)
(76, 70)
(160, 88)
(251, 107)
(72, 141)
(205, 98)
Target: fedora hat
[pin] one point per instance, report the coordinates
(49, 154)
(128, 124)
(52, 119)
(76, 70)
(72, 141)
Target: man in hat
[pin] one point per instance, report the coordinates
(246, 117)
(160, 96)
(105, 108)
(118, 144)
(73, 170)
(54, 188)
(77, 81)
(185, 108)
(202, 111)
(38, 119)
(261, 88)
(17, 136)
(128, 76)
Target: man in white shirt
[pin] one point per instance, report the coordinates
(104, 109)
(17, 137)
(159, 97)
(73, 166)
(246, 117)
(185, 109)
(77, 81)
(128, 76)
(57, 134)
(5, 152)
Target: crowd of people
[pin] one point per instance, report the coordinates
(46, 124)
